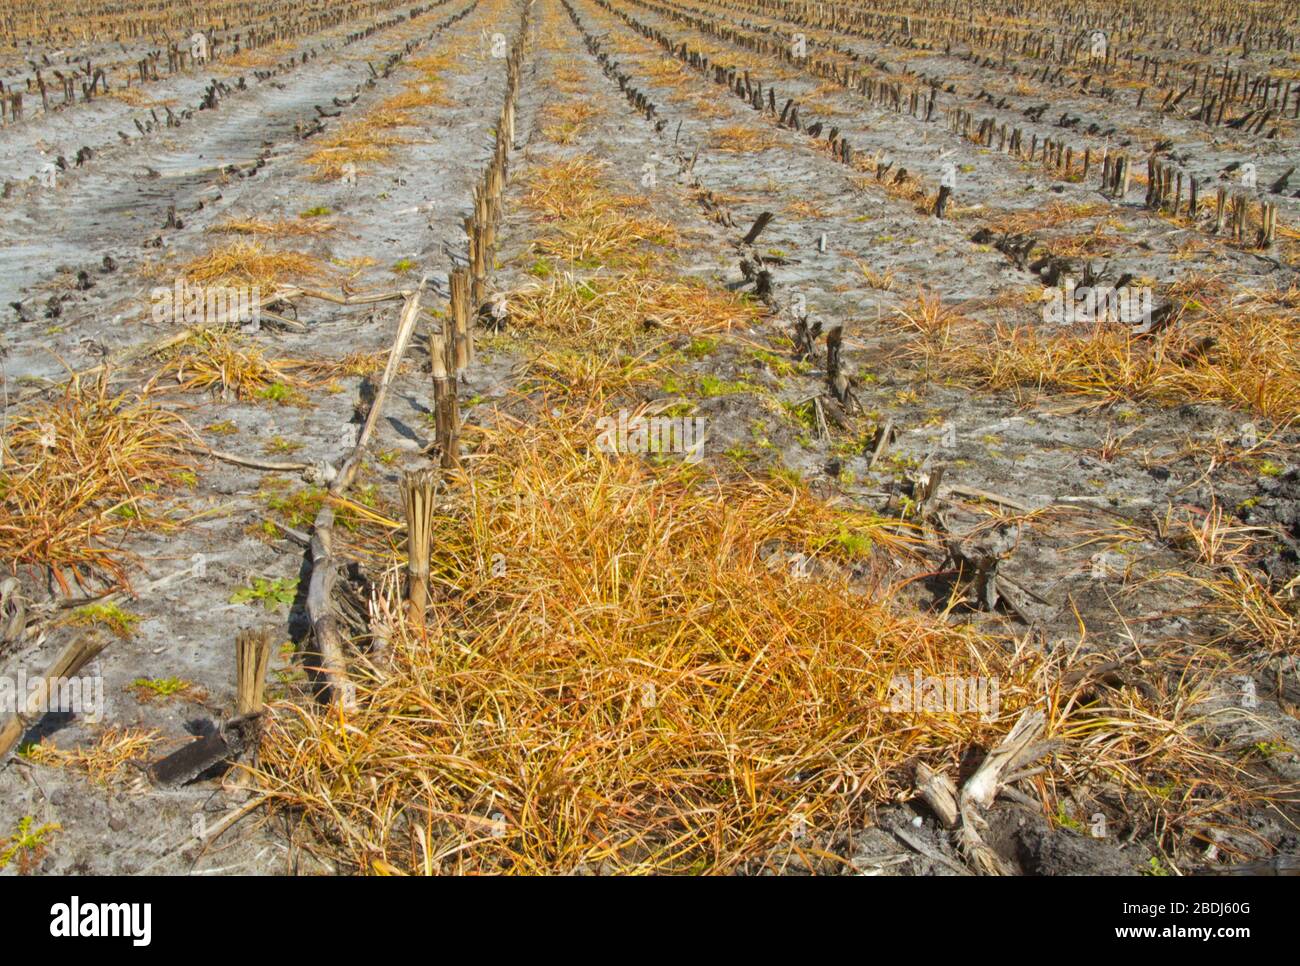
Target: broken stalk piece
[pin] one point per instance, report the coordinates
(418, 488)
(252, 659)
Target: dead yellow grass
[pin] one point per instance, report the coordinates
(1051, 215)
(78, 473)
(604, 235)
(417, 96)
(357, 143)
(602, 308)
(584, 373)
(927, 315)
(137, 97)
(283, 227)
(432, 65)
(666, 70)
(639, 688)
(112, 753)
(806, 209)
(569, 79)
(564, 122)
(742, 139)
(882, 281)
(1246, 357)
(251, 263)
(227, 362)
(566, 189)
(589, 223)
(1150, 739)
(709, 108)
(427, 90)
(260, 57)
(1256, 614)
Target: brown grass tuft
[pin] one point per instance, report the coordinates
(640, 687)
(1246, 356)
(78, 474)
(614, 308)
(283, 227)
(104, 761)
(251, 263)
(742, 139)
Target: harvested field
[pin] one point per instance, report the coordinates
(651, 437)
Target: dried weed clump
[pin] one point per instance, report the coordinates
(612, 308)
(1244, 355)
(78, 473)
(365, 140)
(621, 672)
(251, 263)
(229, 363)
(103, 761)
(590, 225)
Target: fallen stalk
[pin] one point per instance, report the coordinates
(324, 564)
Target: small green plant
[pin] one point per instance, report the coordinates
(298, 508)
(271, 593)
(738, 454)
(278, 444)
(26, 845)
(1065, 821)
(403, 266)
(702, 346)
(319, 211)
(710, 385)
(278, 392)
(672, 386)
(1270, 748)
(223, 428)
(1269, 468)
(777, 365)
(1153, 867)
(160, 687)
(109, 615)
(852, 544)
(804, 413)
(787, 475)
